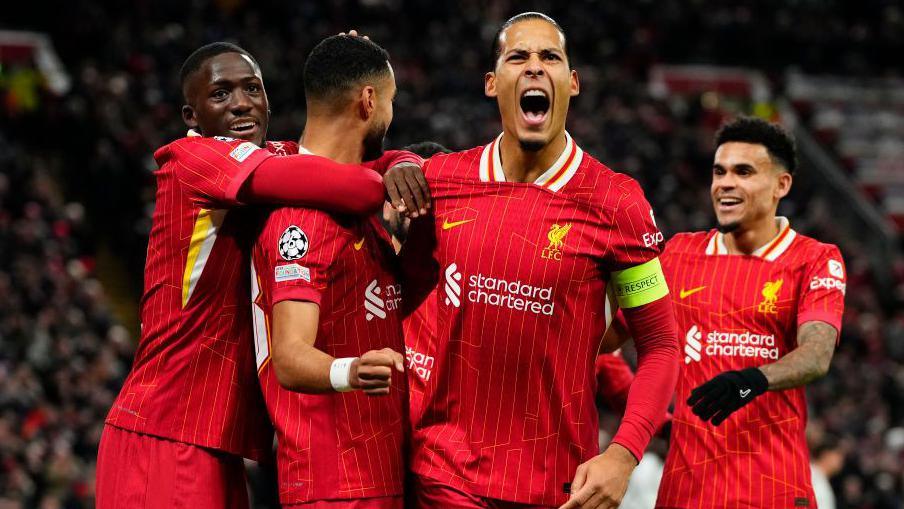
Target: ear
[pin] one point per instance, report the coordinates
(784, 185)
(489, 84)
(575, 87)
(188, 116)
(367, 102)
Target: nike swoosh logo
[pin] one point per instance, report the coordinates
(745, 393)
(358, 245)
(449, 225)
(687, 293)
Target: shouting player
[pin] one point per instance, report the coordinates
(326, 306)
(759, 306)
(532, 242)
(191, 407)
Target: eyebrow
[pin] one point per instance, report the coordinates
(544, 51)
(744, 166)
(226, 81)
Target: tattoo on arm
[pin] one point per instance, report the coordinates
(806, 363)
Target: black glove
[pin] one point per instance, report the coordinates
(727, 392)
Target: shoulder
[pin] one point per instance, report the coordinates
(298, 228)
(455, 164)
(308, 219)
(811, 251)
(606, 187)
(282, 148)
(813, 246)
(689, 241)
(195, 147)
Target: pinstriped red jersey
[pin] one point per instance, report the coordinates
(736, 312)
(336, 445)
(508, 410)
(193, 376)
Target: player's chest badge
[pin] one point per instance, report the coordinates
(556, 238)
(770, 294)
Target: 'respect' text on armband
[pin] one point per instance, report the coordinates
(640, 284)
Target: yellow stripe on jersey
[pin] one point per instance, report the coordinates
(203, 238)
(639, 285)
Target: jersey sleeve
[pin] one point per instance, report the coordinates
(214, 169)
(299, 248)
(634, 238)
(822, 295)
(634, 245)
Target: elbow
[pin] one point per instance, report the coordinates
(286, 376)
(290, 373)
(823, 364)
(376, 195)
(372, 195)
(822, 369)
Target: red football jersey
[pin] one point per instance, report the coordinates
(419, 331)
(737, 312)
(193, 376)
(337, 445)
(508, 384)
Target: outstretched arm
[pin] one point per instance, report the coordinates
(315, 182)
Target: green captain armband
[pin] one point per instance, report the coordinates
(640, 284)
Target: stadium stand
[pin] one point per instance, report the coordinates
(63, 355)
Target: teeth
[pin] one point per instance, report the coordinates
(535, 93)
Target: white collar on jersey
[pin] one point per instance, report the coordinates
(554, 178)
(770, 251)
(302, 150)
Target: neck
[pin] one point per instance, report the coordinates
(747, 239)
(520, 165)
(333, 136)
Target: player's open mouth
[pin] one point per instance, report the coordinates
(534, 106)
(244, 126)
(728, 204)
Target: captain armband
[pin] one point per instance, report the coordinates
(639, 285)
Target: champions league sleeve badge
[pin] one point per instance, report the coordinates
(293, 243)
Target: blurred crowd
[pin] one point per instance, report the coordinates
(63, 356)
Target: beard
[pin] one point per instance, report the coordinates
(728, 227)
(373, 142)
(531, 145)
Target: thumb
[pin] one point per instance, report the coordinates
(580, 477)
(397, 360)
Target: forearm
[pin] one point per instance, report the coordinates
(656, 338)
(314, 182)
(391, 158)
(806, 363)
(306, 369)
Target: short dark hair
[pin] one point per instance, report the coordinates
(427, 149)
(778, 142)
(206, 52)
(525, 16)
(341, 62)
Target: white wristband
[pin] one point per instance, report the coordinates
(339, 374)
